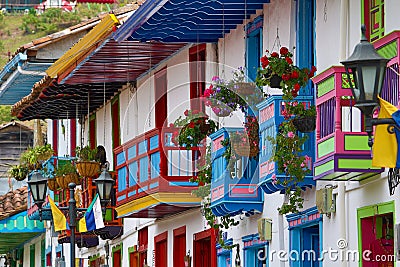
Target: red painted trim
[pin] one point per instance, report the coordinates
(209, 233)
(180, 231)
(161, 237)
(73, 137)
(55, 136)
(160, 97)
(197, 76)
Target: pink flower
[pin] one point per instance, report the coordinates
(207, 103)
(216, 109)
(290, 134)
(215, 78)
(302, 165)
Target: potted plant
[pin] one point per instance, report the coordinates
(66, 173)
(304, 118)
(52, 184)
(222, 99)
(34, 156)
(87, 165)
(195, 127)
(278, 71)
(246, 143)
(18, 172)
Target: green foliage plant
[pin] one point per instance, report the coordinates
(86, 153)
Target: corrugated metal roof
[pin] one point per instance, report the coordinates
(87, 44)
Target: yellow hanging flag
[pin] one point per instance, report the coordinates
(384, 150)
(59, 220)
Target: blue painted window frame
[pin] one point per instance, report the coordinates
(250, 255)
(305, 39)
(254, 46)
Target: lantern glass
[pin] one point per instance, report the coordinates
(38, 187)
(104, 185)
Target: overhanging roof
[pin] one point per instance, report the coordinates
(84, 47)
(106, 69)
(21, 82)
(187, 20)
(16, 230)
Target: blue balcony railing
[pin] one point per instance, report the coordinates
(270, 117)
(234, 188)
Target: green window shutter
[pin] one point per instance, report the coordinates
(43, 251)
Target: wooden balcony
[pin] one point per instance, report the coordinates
(233, 191)
(342, 146)
(270, 117)
(153, 176)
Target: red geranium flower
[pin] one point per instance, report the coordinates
(297, 87)
(191, 124)
(264, 61)
(289, 60)
(186, 112)
(285, 77)
(274, 54)
(295, 75)
(284, 51)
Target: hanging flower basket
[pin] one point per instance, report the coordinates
(52, 184)
(88, 168)
(244, 88)
(72, 178)
(244, 149)
(305, 124)
(275, 81)
(221, 112)
(62, 182)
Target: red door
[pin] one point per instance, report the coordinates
(117, 258)
(161, 98)
(204, 249)
(133, 259)
(377, 237)
(161, 252)
(179, 246)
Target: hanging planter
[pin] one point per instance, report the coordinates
(244, 149)
(305, 124)
(275, 81)
(62, 183)
(18, 172)
(88, 168)
(72, 178)
(246, 143)
(196, 126)
(52, 184)
(244, 88)
(221, 112)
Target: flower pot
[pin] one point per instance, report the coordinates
(275, 81)
(72, 178)
(88, 168)
(62, 182)
(244, 89)
(52, 184)
(20, 177)
(244, 149)
(222, 112)
(305, 124)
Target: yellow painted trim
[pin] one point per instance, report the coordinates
(154, 199)
(85, 45)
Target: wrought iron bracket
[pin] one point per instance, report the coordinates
(393, 179)
(369, 122)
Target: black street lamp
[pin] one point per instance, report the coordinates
(104, 186)
(368, 69)
(38, 187)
